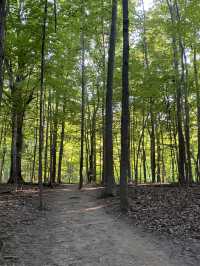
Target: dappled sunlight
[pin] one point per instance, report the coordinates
(86, 210)
(67, 189)
(91, 188)
(62, 189)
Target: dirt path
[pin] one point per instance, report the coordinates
(76, 230)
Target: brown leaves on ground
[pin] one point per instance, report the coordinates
(17, 208)
(173, 210)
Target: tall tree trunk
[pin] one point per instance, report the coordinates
(3, 147)
(2, 164)
(129, 152)
(87, 152)
(34, 153)
(61, 150)
(198, 110)
(184, 81)
(163, 158)
(47, 140)
(53, 155)
(50, 147)
(83, 98)
(131, 146)
(108, 158)
(54, 147)
(144, 162)
(143, 149)
(2, 35)
(141, 139)
(153, 145)
(17, 119)
(93, 141)
(158, 155)
(103, 97)
(125, 112)
(32, 175)
(181, 139)
(152, 116)
(92, 148)
(41, 127)
(16, 146)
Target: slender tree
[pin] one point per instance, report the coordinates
(54, 146)
(178, 96)
(151, 101)
(2, 33)
(124, 163)
(108, 153)
(83, 96)
(62, 136)
(196, 79)
(41, 126)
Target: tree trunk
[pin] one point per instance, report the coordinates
(158, 156)
(2, 35)
(103, 98)
(2, 164)
(125, 113)
(34, 153)
(181, 139)
(4, 150)
(184, 82)
(163, 159)
(152, 118)
(108, 158)
(92, 148)
(61, 151)
(16, 147)
(198, 111)
(41, 128)
(153, 146)
(83, 97)
(144, 163)
(54, 147)
(87, 152)
(47, 140)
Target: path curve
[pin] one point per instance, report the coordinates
(77, 231)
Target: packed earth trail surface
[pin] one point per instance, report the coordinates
(76, 228)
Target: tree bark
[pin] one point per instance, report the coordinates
(103, 99)
(125, 118)
(34, 153)
(16, 147)
(47, 140)
(61, 151)
(198, 111)
(152, 116)
(83, 97)
(108, 158)
(153, 145)
(158, 156)
(2, 35)
(41, 127)
(54, 147)
(181, 139)
(4, 149)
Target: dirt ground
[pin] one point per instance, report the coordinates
(77, 228)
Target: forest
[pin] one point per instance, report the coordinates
(100, 103)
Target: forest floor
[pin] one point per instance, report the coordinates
(79, 228)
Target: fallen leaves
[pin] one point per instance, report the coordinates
(168, 209)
